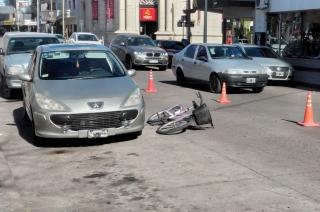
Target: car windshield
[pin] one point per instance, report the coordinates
(59, 36)
(172, 45)
(87, 37)
(64, 65)
(140, 41)
(225, 52)
(260, 52)
(26, 45)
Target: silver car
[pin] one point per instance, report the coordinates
(277, 68)
(215, 63)
(15, 54)
(80, 91)
(139, 50)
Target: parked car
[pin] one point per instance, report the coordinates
(15, 53)
(214, 63)
(273, 43)
(171, 46)
(84, 37)
(277, 68)
(60, 38)
(80, 91)
(139, 50)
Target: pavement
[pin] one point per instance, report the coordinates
(255, 159)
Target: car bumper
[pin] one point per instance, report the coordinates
(44, 126)
(13, 82)
(151, 61)
(246, 81)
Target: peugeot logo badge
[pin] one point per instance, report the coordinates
(96, 105)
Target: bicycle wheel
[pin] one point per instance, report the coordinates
(158, 118)
(173, 127)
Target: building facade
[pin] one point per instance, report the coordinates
(292, 27)
(156, 18)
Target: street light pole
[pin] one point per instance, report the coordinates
(51, 16)
(38, 16)
(205, 30)
(63, 24)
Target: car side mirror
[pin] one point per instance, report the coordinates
(203, 58)
(122, 44)
(25, 77)
(131, 72)
(1, 51)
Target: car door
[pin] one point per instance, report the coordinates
(115, 46)
(122, 48)
(201, 65)
(187, 61)
(27, 86)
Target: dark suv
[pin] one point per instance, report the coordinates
(139, 50)
(171, 46)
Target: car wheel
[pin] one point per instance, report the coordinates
(5, 91)
(257, 90)
(129, 64)
(163, 68)
(215, 84)
(181, 81)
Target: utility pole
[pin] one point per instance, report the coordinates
(63, 24)
(188, 19)
(51, 16)
(205, 28)
(38, 16)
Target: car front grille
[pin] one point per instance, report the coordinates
(153, 54)
(90, 121)
(277, 69)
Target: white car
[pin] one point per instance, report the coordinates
(216, 63)
(277, 68)
(84, 37)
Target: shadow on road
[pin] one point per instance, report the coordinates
(25, 131)
(296, 85)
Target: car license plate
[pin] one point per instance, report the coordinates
(250, 80)
(279, 74)
(153, 61)
(102, 133)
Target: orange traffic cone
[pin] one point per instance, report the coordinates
(308, 115)
(151, 88)
(223, 98)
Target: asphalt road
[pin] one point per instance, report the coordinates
(255, 159)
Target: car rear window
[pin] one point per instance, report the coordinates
(87, 38)
(172, 45)
(26, 45)
(64, 65)
(225, 52)
(260, 52)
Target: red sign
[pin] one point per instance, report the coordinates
(148, 14)
(109, 9)
(95, 10)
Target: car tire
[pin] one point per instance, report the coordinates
(181, 81)
(129, 64)
(215, 84)
(5, 91)
(258, 89)
(162, 68)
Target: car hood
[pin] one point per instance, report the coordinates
(243, 64)
(146, 48)
(270, 62)
(89, 42)
(21, 60)
(75, 94)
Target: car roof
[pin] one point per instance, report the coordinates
(27, 34)
(134, 35)
(84, 33)
(251, 46)
(212, 44)
(71, 47)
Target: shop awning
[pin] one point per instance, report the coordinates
(214, 5)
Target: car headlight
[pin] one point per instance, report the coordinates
(134, 99)
(164, 54)
(141, 54)
(232, 71)
(48, 104)
(15, 70)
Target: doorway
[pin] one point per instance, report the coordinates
(149, 28)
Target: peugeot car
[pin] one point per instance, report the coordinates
(80, 91)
